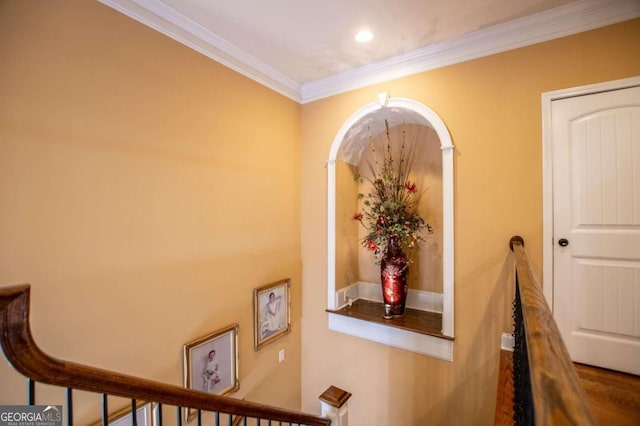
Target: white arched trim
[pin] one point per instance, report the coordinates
(408, 111)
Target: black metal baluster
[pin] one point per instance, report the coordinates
(69, 407)
(216, 418)
(522, 394)
(230, 417)
(105, 410)
(159, 414)
(200, 417)
(31, 392)
(517, 358)
(134, 413)
(179, 422)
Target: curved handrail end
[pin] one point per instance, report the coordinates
(10, 293)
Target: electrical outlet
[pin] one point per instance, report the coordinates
(281, 355)
(507, 342)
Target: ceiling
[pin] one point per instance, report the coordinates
(306, 50)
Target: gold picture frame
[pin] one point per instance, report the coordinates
(211, 364)
(271, 312)
(146, 413)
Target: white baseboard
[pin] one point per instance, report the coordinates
(416, 299)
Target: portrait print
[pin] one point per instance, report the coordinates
(271, 312)
(211, 363)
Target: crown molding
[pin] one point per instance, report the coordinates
(166, 20)
(572, 18)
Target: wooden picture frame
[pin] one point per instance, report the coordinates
(146, 413)
(271, 312)
(211, 364)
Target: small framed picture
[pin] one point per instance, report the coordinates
(211, 363)
(271, 312)
(145, 415)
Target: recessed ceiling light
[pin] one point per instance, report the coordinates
(364, 36)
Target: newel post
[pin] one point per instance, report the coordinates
(335, 406)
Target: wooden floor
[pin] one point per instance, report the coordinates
(614, 397)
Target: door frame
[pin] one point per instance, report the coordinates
(547, 169)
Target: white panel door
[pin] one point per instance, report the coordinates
(596, 209)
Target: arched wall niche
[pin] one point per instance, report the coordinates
(348, 146)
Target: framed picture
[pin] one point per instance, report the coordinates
(271, 312)
(211, 363)
(145, 415)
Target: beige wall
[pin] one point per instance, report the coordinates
(491, 107)
(145, 191)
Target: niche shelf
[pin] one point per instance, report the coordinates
(415, 320)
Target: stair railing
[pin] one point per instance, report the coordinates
(547, 389)
(22, 352)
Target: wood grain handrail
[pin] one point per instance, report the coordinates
(25, 356)
(558, 397)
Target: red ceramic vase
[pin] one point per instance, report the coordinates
(394, 268)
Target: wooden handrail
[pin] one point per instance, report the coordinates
(25, 356)
(558, 397)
